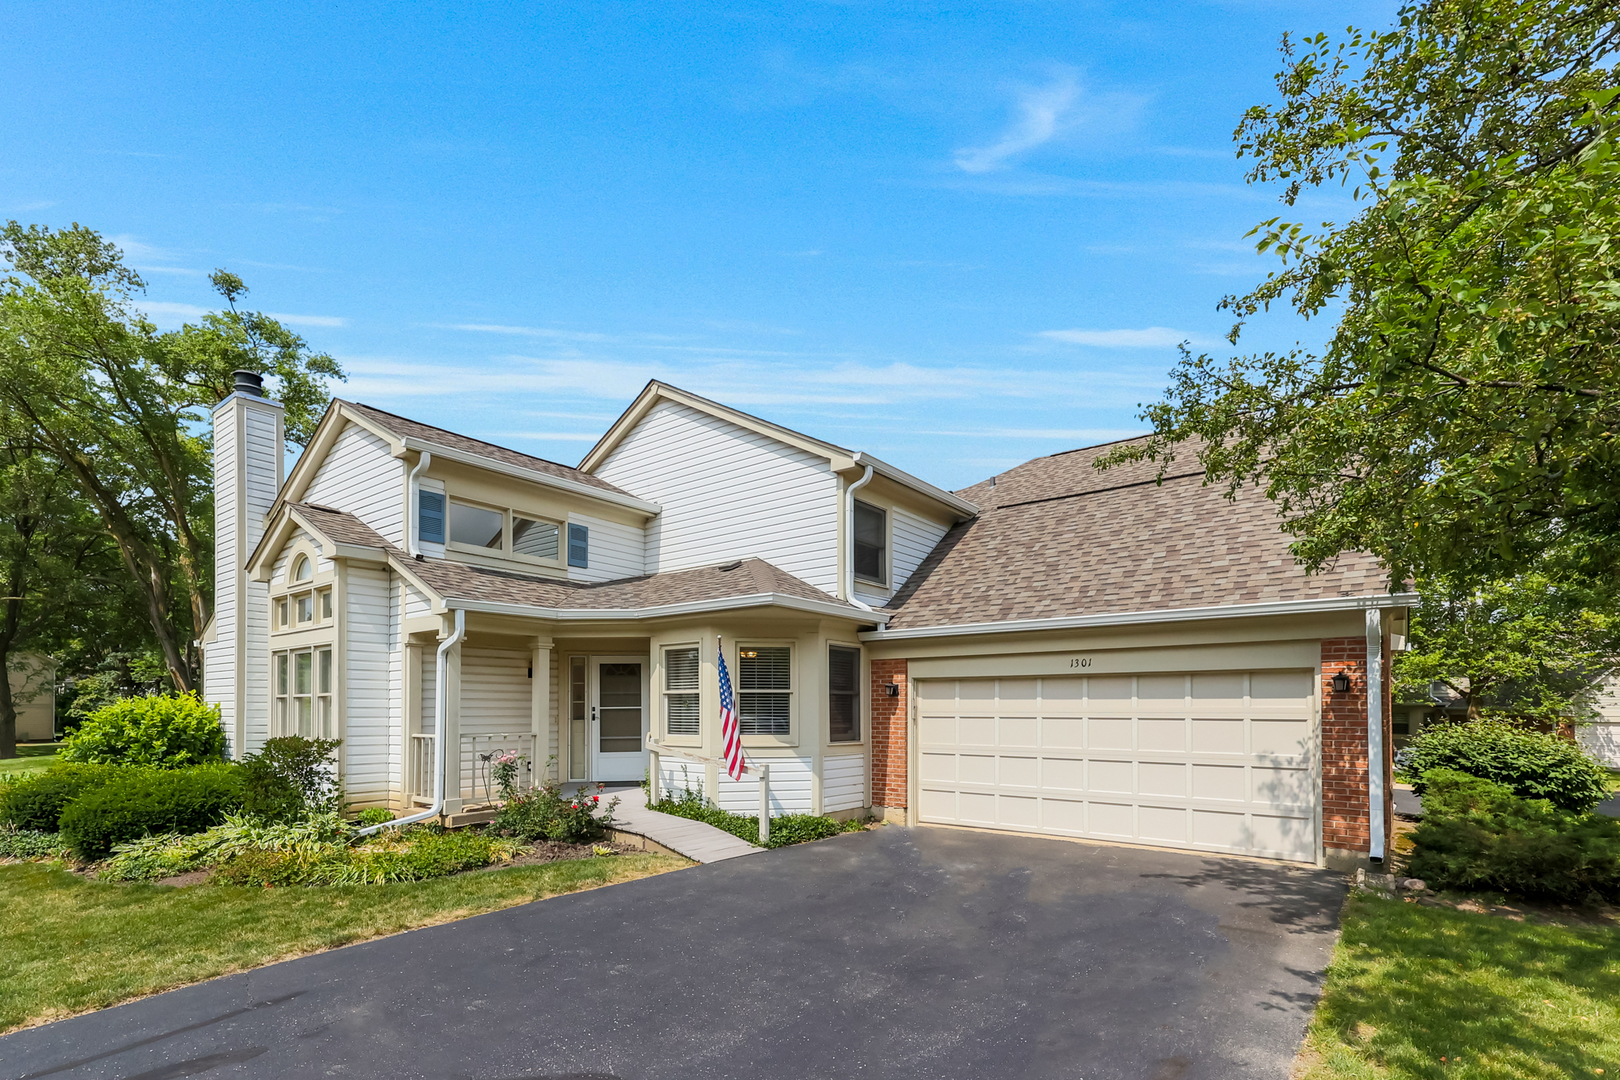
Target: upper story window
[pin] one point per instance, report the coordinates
(681, 675)
(871, 533)
(533, 537)
(303, 569)
(477, 526)
(843, 694)
(765, 689)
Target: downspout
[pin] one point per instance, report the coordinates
(1375, 733)
(414, 509)
(441, 710)
(849, 549)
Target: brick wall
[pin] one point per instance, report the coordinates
(889, 734)
(1344, 747)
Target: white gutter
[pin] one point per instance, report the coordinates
(1127, 618)
(413, 512)
(695, 607)
(1375, 733)
(900, 476)
(441, 755)
(535, 476)
(849, 548)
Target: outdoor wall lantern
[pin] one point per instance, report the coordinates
(893, 689)
(1341, 682)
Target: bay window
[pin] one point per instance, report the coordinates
(765, 689)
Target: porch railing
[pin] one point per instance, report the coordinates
(478, 754)
(420, 769)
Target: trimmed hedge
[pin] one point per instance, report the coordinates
(785, 830)
(1532, 764)
(1476, 834)
(149, 802)
(170, 731)
(38, 801)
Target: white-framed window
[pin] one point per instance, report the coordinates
(843, 694)
(765, 689)
(477, 526)
(534, 537)
(682, 673)
(303, 569)
(302, 680)
(871, 544)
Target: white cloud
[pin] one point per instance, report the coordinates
(308, 320)
(1154, 337)
(1039, 115)
(528, 331)
(170, 316)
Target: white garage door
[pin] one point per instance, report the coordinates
(1211, 761)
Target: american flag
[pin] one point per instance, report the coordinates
(728, 721)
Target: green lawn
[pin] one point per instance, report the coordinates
(72, 945)
(31, 758)
(1417, 991)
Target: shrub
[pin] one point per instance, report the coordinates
(166, 854)
(290, 777)
(269, 869)
(170, 731)
(785, 830)
(37, 802)
(1477, 834)
(147, 802)
(1532, 764)
(414, 855)
(18, 843)
(375, 815)
(545, 813)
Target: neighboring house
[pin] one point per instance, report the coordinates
(1057, 650)
(33, 694)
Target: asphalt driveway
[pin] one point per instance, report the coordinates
(893, 953)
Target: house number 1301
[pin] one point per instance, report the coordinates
(1080, 662)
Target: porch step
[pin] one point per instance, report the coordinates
(693, 839)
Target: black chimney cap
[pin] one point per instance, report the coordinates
(249, 382)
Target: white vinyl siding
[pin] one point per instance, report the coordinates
(1213, 761)
(371, 690)
(914, 537)
(790, 788)
(843, 782)
(677, 774)
(496, 701)
(219, 657)
(728, 493)
(1602, 738)
(616, 551)
(361, 477)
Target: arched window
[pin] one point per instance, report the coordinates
(302, 571)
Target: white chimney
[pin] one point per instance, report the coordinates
(249, 467)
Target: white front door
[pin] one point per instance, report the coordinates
(618, 735)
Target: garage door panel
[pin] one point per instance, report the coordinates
(1161, 695)
(1112, 734)
(1118, 776)
(1158, 735)
(1283, 737)
(1018, 731)
(1162, 823)
(1063, 734)
(1017, 697)
(1063, 697)
(1219, 761)
(1063, 774)
(1159, 778)
(1217, 736)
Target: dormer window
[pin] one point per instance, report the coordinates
(871, 553)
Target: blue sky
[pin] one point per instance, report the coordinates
(957, 236)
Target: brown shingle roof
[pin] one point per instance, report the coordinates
(747, 577)
(340, 526)
(1059, 539)
(404, 428)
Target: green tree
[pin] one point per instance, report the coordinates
(123, 408)
(1528, 648)
(1461, 421)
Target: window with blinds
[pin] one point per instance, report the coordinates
(681, 674)
(764, 689)
(843, 694)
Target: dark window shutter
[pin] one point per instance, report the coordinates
(430, 517)
(579, 546)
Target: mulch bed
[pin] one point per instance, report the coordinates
(553, 851)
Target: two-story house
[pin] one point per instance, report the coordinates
(1057, 650)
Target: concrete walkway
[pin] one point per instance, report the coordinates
(697, 841)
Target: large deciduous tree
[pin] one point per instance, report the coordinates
(1462, 420)
(123, 408)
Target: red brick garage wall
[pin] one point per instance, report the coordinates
(889, 734)
(1344, 747)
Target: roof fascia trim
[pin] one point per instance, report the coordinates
(839, 457)
(466, 457)
(963, 507)
(320, 444)
(693, 607)
(1126, 618)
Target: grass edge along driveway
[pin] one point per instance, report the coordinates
(73, 945)
(1416, 991)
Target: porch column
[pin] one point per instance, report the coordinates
(540, 707)
(450, 729)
